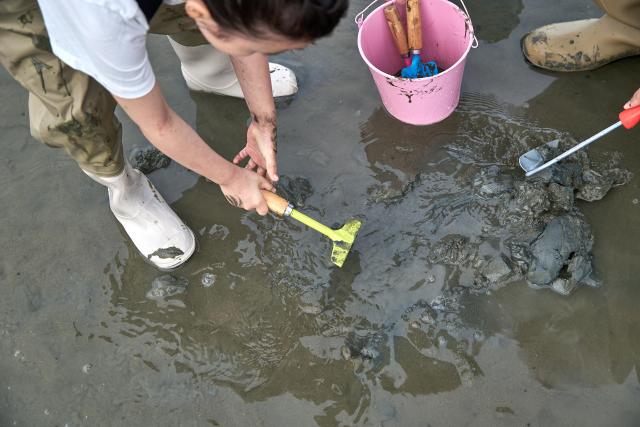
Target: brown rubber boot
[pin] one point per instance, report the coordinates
(587, 44)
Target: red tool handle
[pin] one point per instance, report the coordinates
(630, 117)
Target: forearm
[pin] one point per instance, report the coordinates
(255, 81)
(175, 138)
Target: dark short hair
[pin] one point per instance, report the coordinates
(294, 19)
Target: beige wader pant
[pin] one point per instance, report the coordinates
(625, 11)
(67, 108)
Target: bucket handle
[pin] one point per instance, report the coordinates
(360, 16)
(359, 19)
(475, 39)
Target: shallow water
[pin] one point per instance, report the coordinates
(268, 332)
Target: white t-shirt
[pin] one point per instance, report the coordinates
(104, 39)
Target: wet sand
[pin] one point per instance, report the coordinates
(267, 332)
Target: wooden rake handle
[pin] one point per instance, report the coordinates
(276, 204)
(414, 24)
(397, 29)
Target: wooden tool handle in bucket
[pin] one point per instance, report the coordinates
(414, 24)
(397, 30)
(277, 204)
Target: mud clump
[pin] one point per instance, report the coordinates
(166, 286)
(295, 189)
(591, 183)
(452, 250)
(561, 255)
(365, 347)
(530, 228)
(170, 252)
(148, 159)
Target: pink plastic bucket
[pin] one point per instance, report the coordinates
(447, 37)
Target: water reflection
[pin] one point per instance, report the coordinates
(496, 20)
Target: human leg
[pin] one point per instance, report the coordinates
(70, 110)
(589, 43)
(204, 68)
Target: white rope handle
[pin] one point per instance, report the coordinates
(360, 16)
(475, 39)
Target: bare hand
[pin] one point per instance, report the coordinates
(634, 101)
(261, 148)
(244, 190)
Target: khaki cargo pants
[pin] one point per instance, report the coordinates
(67, 108)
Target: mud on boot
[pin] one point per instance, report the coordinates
(581, 45)
(154, 228)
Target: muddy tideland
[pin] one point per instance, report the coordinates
(472, 295)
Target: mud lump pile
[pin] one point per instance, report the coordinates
(544, 237)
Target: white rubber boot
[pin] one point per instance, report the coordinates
(157, 232)
(207, 70)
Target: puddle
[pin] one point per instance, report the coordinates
(281, 319)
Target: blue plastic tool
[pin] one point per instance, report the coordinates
(419, 69)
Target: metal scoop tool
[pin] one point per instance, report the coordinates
(534, 161)
(343, 238)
